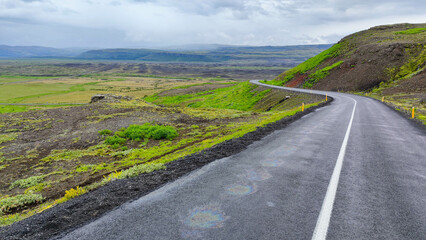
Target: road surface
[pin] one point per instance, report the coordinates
(352, 170)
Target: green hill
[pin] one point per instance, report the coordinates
(384, 61)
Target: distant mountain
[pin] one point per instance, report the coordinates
(148, 55)
(36, 51)
(187, 53)
(218, 53)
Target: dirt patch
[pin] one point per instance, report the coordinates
(297, 81)
(80, 210)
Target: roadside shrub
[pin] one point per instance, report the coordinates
(27, 182)
(105, 132)
(72, 193)
(10, 203)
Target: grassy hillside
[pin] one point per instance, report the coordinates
(383, 61)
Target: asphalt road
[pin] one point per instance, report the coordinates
(352, 170)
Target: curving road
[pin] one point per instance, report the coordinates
(352, 170)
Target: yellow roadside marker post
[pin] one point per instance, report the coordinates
(383, 99)
(326, 97)
(303, 107)
(412, 113)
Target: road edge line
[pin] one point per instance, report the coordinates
(321, 228)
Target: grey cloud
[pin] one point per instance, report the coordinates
(170, 22)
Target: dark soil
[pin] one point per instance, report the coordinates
(88, 207)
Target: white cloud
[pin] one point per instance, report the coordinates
(114, 23)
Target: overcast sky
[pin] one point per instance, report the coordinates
(156, 23)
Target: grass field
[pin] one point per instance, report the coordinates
(80, 90)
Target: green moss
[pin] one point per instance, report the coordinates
(143, 168)
(66, 155)
(27, 182)
(412, 65)
(85, 168)
(320, 74)
(9, 203)
(412, 31)
(8, 137)
(242, 96)
(12, 109)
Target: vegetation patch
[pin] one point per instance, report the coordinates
(320, 74)
(8, 137)
(72, 193)
(27, 182)
(148, 131)
(105, 132)
(412, 31)
(8, 204)
(309, 64)
(239, 97)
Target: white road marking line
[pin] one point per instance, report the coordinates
(320, 232)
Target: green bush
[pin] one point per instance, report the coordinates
(105, 132)
(115, 140)
(147, 131)
(141, 132)
(164, 132)
(138, 132)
